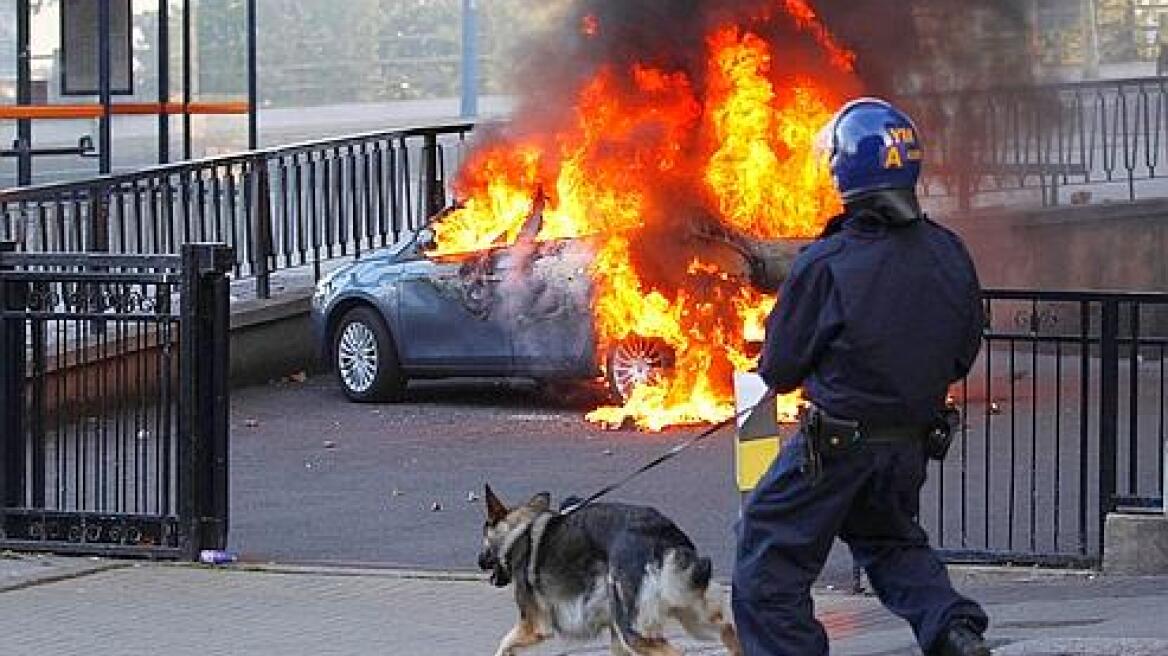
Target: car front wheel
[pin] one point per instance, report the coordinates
(635, 361)
(365, 358)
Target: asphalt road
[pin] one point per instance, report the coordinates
(318, 479)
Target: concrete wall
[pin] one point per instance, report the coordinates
(271, 339)
(1097, 247)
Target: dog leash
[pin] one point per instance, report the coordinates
(666, 457)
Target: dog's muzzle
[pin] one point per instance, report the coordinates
(487, 560)
(500, 576)
(500, 573)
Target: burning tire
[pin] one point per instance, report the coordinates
(635, 361)
(365, 358)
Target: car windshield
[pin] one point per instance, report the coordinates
(424, 240)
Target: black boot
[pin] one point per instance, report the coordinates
(960, 640)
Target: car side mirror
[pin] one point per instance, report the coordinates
(427, 240)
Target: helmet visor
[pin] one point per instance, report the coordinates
(824, 144)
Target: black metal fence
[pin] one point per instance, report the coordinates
(285, 207)
(303, 204)
(1064, 422)
(1106, 138)
(113, 402)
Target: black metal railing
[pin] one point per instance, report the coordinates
(1064, 423)
(303, 204)
(279, 208)
(1093, 136)
(113, 402)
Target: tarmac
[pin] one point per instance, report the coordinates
(85, 606)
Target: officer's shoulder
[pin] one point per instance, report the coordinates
(818, 253)
(945, 233)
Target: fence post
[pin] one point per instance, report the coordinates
(1108, 411)
(12, 379)
(434, 189)
(98, 222)
(203, 434)
(261, 216)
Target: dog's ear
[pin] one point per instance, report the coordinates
(540, 502)
(496, 511)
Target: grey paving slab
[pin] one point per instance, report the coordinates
(298, 609)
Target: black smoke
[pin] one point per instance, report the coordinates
(903, 47)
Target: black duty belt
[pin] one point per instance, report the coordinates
(894, 433)
(832, 433)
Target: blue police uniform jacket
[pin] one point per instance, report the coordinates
(876, 321)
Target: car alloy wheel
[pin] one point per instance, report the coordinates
(636, 361)
(365, 357)
(357, 357)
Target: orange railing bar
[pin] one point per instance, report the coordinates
(15, 112)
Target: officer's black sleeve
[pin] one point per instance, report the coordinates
(975, 326)
(803, 323)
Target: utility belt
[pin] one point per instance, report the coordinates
(829, 436)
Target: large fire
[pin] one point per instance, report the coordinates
(644, 152)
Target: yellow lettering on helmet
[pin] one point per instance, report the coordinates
(892, 159)
(902, 135)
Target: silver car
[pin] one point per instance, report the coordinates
(516, 310)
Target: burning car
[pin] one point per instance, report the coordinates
(672, 177)
(518, 309)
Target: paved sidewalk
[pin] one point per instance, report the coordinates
(91, 607)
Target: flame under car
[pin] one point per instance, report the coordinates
(520, 309)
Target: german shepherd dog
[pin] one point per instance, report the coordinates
(627, 569)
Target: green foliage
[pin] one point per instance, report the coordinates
(328, 51)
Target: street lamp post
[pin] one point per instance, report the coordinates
(470, 59)
(1091, 28)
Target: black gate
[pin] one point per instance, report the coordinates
(113, 402)
(1064, 422)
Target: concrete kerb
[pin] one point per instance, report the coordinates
(19, 571)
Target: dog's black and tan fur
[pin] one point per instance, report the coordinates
(624, 569)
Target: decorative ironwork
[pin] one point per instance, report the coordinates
(82, 298)
(93, 530)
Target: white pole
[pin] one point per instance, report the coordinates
(1091, 25)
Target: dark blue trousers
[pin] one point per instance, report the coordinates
(870, 498)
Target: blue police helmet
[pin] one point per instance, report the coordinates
(873, 147)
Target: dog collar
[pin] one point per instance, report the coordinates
(534, 530)
(538, 528)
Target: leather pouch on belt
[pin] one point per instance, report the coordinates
(831, 436)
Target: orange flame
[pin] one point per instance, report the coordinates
(643, 154)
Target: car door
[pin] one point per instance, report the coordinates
(553, 329)
(448, 312)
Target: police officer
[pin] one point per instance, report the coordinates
(876, 320)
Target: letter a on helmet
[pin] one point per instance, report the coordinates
(873, 147)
